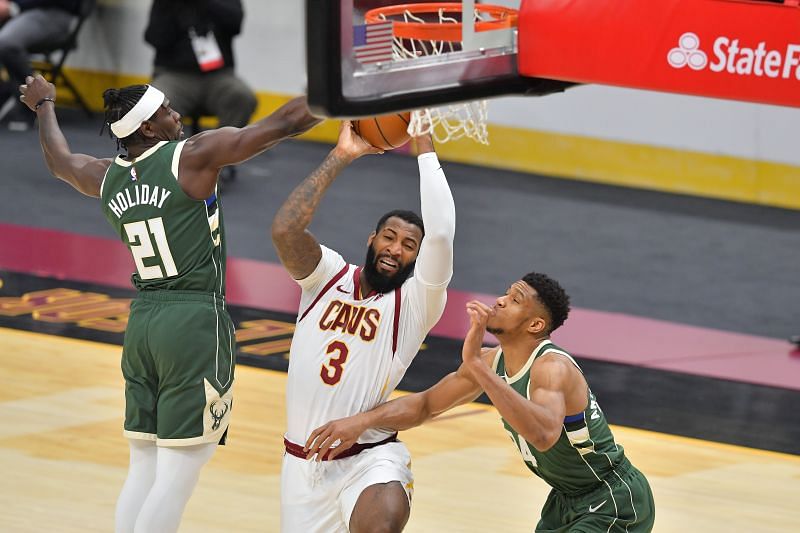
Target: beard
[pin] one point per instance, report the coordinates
(381, 282)
(494, 331)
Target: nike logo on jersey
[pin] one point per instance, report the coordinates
(340, 289)
(596, 507)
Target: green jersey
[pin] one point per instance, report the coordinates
(584, 454)
(177, 242)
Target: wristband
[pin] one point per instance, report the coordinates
(42, 101)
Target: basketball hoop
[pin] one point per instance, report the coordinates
(435, 29)
(440, 21)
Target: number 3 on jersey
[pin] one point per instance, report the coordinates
(331, 373)
(142, 248)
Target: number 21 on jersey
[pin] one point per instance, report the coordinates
(331, 372)
(142, 248)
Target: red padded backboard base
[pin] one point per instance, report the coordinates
(732, 49)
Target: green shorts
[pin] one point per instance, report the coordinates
(177, 361)
(623, 502)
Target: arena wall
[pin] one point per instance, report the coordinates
(730, 150)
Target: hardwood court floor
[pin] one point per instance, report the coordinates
(64, 459)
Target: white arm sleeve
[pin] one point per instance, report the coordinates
(434, 266)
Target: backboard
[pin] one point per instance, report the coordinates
(368, 57)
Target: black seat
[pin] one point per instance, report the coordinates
(51, 63)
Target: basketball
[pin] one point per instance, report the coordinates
(386, 132)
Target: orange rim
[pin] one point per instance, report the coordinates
(505, 18)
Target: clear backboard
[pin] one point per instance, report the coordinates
(368, 57)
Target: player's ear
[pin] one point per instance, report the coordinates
(537, 325)
(371, 238)
(147, 129)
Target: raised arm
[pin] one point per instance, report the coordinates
(206, 153)
(84, 172)
(434, 266)
(540, 419)
(297, 248)
(402, 413)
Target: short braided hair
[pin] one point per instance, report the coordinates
(117, 103)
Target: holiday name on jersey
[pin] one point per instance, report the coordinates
(138, 194)
(352, 319)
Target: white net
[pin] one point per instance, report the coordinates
(415, 48)
(452, 121)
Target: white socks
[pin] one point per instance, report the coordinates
(159, 484)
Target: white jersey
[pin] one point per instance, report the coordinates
(349, 352)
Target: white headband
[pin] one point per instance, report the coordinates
(148, 104)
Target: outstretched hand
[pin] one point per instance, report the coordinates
(479, 314)
(350, 145)
(344, 431)
(35, 89)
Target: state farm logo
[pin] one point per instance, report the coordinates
(688, 53)
(730, 56)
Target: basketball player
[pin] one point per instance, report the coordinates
(547, 408)
(178, 354)
(358, 329)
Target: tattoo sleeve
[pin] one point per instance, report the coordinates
(297, 248)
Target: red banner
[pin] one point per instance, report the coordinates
(732, 49)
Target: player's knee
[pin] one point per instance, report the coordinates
(381, 509)
(388, 527)
(394, 519)
(386, 523)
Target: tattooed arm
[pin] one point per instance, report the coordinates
(297, 248)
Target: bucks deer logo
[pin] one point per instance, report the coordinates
(218, 410)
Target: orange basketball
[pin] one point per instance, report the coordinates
(386, 132)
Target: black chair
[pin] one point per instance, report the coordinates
(51, 64)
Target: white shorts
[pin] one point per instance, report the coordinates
(320, 497)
